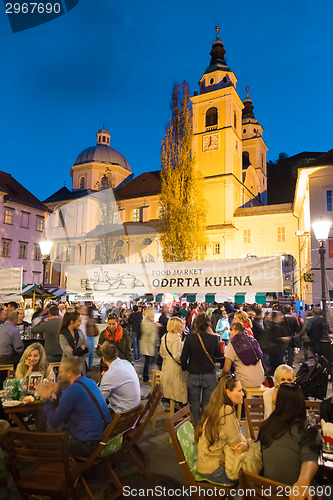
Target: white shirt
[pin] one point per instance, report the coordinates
(121, 386)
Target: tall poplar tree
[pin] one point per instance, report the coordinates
(182, 201)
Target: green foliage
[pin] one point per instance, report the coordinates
(182, 201)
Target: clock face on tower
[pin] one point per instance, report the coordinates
(210, 142)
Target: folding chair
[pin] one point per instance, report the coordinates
(181, 430)
(130, 447)
(111, 443)
(260, 487)
(254, 411)
(48, 469)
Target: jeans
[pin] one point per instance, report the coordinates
(200, 387)
(148, 361)
(274, 361)
(136, 346)
(219, 476)
(91, 347)
(80, 448)
(290, 355)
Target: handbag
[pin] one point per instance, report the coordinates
(250, 460)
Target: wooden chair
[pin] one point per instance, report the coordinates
(156, 380)
(188, 463)
(250, 392)
(313, 408)
(130, 448)
(108, 448)
(48, 469)
(260, 487)
(254, 411)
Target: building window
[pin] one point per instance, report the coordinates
(136, 215)
(9, 216)
(211, 117)
(103, 138)
(6, 247)
(98, 252)
(115, 218)
(68, 254)
(329, 200)
(23, 245)
(211, 81)
(330, 248)
(37, 255)
(25, 219)
(281, 234)
(247, 236)
(82, 183)
(235, 120)
(216, 248)
(36, 277)
(246, 159)
(146, 242)
(39, 223)
(147, 258)
(104, 182)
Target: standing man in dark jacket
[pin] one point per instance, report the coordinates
(134, 324)
(315, 331)
(292, 327)
(216, 315)
(49, 328)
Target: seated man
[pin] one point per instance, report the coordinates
(11, 345)
(120, 385)
(81, 406)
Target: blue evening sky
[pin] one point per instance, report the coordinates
(114, 63)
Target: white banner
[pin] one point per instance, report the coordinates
(209, 276)
(10, 280)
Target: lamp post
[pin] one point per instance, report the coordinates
(321, 229)
(45, 249)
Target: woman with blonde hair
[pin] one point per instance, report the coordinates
(219, 426)
(173, 379)
(148, 341)
(242, 317)
(33, 360)
(283, 374)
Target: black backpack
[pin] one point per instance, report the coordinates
(312, 377)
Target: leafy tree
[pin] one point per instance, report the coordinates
(182, 202)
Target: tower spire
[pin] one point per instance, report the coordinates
(217, 61)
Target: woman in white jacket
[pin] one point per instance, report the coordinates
(173, 378)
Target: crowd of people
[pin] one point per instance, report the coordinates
(187, 343)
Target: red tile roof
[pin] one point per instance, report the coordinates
(15, 192)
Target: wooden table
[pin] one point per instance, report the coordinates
(19, 413)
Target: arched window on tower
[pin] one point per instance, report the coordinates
(82, 184)
(246, 159)
(211, 117)
(104, 182)
(235, 120)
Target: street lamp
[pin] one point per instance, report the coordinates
(321, 229)
(45, 249)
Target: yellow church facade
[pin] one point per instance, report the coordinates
(230, 153)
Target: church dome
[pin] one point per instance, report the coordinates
(102, 153)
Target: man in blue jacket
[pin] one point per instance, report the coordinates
(81, 407)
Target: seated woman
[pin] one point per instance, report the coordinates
(118, 336)
(244, 351)
(283, 374)
(34, 360)
(290, 447)
(71, 338)
(173, 379)
(219, 426)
